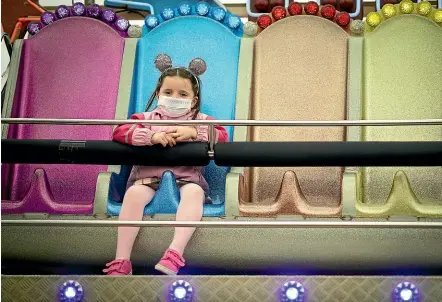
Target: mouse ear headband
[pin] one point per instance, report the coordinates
(196, 67)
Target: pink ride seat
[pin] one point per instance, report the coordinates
(70, 70)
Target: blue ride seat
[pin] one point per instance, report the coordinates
(183, 39)
(166, 199)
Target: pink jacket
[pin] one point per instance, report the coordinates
(141, 135)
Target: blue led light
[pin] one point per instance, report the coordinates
(218, 13)
(202, 8)
(71, 291)
(406, 292)
(185, 9)
(151, 21)
(292, 291)
(233, 21)
(167, 13)
(180, 291)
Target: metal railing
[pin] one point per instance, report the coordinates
(420, 122)
(213, 123)
(228, 224)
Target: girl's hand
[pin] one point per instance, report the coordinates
(163, 138)
(181, 134)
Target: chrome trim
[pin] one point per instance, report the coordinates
(227, 224)
(421, 122)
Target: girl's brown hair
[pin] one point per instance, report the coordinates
(185, 74)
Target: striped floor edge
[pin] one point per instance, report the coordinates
(219, 288)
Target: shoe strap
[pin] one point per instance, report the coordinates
(114, 266)
(175, 257)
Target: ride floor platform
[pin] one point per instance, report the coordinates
(219, 288)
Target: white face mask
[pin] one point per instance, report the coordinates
(173, 106)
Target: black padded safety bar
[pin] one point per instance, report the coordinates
(100, 152)
(312, 154)
(235, 154)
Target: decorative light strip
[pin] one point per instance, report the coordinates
(78, 9)
(405, 7)
(328, 12)
(202, 9)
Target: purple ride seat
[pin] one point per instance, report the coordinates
(71, 69)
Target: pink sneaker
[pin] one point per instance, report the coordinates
(171, 262)
(118, 267)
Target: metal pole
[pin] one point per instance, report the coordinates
(211, 141)
(225, 224)
(422, 122)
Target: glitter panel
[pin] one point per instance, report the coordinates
(300, 73)
(403, 80)
(69, 70)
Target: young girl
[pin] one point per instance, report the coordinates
(178, 92)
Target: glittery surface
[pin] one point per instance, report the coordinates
(437, 16)
(185, 39)
(328, 11)
(373, 19)
(234, 22)
(424, 8)
(406, 6)
(62, 11)
(184, 9)
(134, 31)
(78, 9)
(198, 66)
(401, 202)
(357, 27)
(108, 16)
(342, 19)
(151, 21)
(289, 200)
(167, 13)
(403, 80)
(34, 27)
(39, 198)
(250, 28)
(388, 10)
(202, 8)
(163, 62)
(218, 13)
(295, 8)
(47, 18)
(55, 81)
(94, 11)
(122, 24)
(299, 74)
